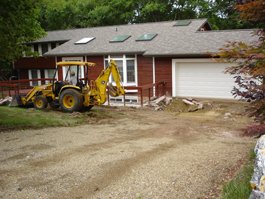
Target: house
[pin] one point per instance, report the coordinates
(178, 52)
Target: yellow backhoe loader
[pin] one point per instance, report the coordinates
(75, 93)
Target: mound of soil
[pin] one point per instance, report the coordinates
(178, 106)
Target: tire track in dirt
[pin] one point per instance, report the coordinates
(130, 135)
(47, 163)
(103, 156)
(113, 171)
(91, 148)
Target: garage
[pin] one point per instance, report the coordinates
(203, 78)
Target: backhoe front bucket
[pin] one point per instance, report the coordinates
(16, 101)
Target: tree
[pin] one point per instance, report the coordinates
(65, 14)
(249, 70)
(111, 12)
(152, 11)
(80, 14)
(18, 25)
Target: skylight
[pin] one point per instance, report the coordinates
(85, 40)
(182, 23)
(119, 38)
(146, 37)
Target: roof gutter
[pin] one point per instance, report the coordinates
(42, 42)
(91, 54)
(194, 55)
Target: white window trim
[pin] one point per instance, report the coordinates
(49, 47)
(136, 70)
(39, 50)
(30, 76)
(124, 59)
(66, 59)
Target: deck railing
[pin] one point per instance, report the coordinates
(15, 87)
(157, 89)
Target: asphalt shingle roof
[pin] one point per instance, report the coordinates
(171, 40)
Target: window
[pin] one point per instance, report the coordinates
(53, 45)
(120, 68)
(49, 73)
(119, 38)
(34, 74)
(44, 48)
(127, 68)
(130, 71)
(182, 23)
(36, 48)
(146, 37)
(85, 40)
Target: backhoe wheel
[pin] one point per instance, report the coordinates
(40, 102)
(71, 100)
(87, 108)
(53, 105)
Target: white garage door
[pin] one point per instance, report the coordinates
(205, 80)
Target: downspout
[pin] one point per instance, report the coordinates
(154, 77)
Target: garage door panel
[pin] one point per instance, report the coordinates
(205, 84)
(207, 94)
(203, 80)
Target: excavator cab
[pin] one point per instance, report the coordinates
(72, 76)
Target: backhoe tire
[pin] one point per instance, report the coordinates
(71, 100)
(40, 102)
(53, 105)
(87, 108)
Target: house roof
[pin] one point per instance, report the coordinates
(170, 39)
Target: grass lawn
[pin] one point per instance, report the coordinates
(13, 118)
(239, 187)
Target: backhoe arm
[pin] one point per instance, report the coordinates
(102, 81)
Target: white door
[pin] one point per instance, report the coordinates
(202, 79)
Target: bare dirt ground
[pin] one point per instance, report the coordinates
(137, 154)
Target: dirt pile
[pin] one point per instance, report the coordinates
(178, 105)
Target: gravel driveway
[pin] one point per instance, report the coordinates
(139, 154)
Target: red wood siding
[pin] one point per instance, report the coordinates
(163, 67)
(23, 74)
(58, 59)
(35, 63)
(145, 70)
(94, 72)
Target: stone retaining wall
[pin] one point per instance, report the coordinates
(258, 179)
